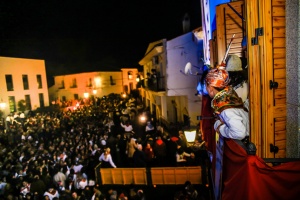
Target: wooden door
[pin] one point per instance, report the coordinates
(266, 61)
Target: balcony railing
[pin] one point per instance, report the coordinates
(156, 84)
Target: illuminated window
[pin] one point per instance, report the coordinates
(130, 75)
(41, 98)
(9, 82)
(39, 81)
(97, 82)
(28, 102)
(25, 82)
(12, 104)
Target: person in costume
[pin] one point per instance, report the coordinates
(233, 118)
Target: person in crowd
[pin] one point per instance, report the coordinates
(233, 119)
(149, 128)
(130, 149)
(25, 189)
(182, 140)
(139, 157)
(37, 187)
(182, 157)
(59, 177)
(51, 194)
(172, 149)
(128, 129)
(106, 159)
(149, 154)
(160, 151)
(96, 193)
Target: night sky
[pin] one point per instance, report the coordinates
(78, 36)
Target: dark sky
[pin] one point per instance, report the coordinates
(77, 36)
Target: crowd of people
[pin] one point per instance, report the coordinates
(53, 155)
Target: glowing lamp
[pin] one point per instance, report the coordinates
(190, 135)
(2, 105)
(94, 91)
(86, 95)
(143, 118)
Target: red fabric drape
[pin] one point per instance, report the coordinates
(207, 128)
(207, 125)
(249, 177)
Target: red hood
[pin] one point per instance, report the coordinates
(159, 142)
(174, 139)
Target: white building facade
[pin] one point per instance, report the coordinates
(167, 89)
(22, 79)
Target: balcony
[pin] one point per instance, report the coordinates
(155, 83)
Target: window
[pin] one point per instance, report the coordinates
(89, 83)
(9, 82)
(126, 88)
(155, 60)
(62, 85)
(64, 99)
(12, 104)
(131, 86)
(112, 81)
(39, 81)
(28, 102)
(130, 75)
(76, 96)
(74, 83)
(41, 98)
(25, 82)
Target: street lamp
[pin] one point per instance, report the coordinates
(94, 91)
(86, 95)
(2, 105)
(138, 78)
(190, 135)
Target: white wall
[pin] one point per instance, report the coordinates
(18, 67)
(180, 51)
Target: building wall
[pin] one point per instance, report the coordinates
(103, 83)
(180, 51)
(18, 67)
(175, 96)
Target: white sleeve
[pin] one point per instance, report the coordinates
(111, 162)
(234, 124)
(101, 157)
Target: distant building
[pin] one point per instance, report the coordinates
(22, 79)
(81, 85)
(165, 88)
